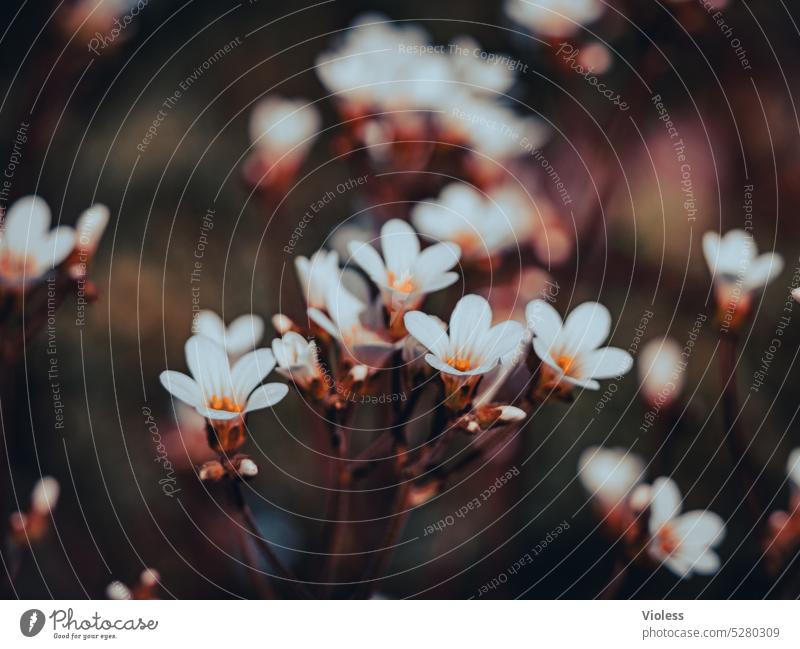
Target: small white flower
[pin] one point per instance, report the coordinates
(404, 274)
(242, 335)
(44, 496)
(472, 346)
(793, 468)
(732, 260)
(316, 275)
(219, 392)
(283, 130)
(28, 248)
(682, 542)
(571, 350)
(554, 18)
(347, 322)
(298, 358)
(480, 226)
(661, 371)
(609, 474)
(118, 591)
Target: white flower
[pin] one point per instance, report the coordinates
(219, 392)
(316, 275)
(570, 350)
(482, 73)
(661, 371)
(793, 468)
(240, 336)
(732, 260)
(554, 18)
(28, 248)
(283, 130)
(44, 496)
(404, 274)
(297, 358)
(472, 346)
(609, 474)
(347, 321)
(682, 542)
(481, 226)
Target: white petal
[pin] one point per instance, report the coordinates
(27, 221)
(369, 260)
(501, 339)
(266, 396)
(470, 320)
(587, 327)
(54, 248)
(182, 387)
(400, 246)
(428, 331)
(439, 282)
(209, 324)
(217, 415)
(324, 322)
(763, 270)
(209, 366)
(436, 259)
(606, 363)
(249, 371)
(711, 244)
(706, 563)
(543, 320)
(699, 528)
(665, 504)
(243, 334)
(793, 466)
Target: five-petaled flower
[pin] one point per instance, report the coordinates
(684, 543)
(221, 393)
(737, 271)
(404, 274)
(570, 351)
(469, 349)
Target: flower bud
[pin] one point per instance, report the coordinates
(283, 323)
(45, 496)
(150, 577)
(117, 590)
(212, 471)
(661, 372)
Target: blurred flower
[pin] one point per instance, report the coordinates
(554, 18)
(404, 274)
(682, 542)
(793, 469)
(282, 132)
(242, 335)
(316, 274)
(570, 351)
(298, 361)
(480, 226)
(737, 272)
(481, 74)
(224, 395)
(118, 591)
(44, 496)
(28, 248)
(89, 229)
(472, 348)
(609, 474)
(31, 527)
(661, 372)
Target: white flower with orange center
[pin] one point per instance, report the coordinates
(570, 351)
(404, 274)
(554, 18)
(684, 543)
(221, 393)
(471, 346)
(609, 474)
(481, 226)
(298, 359)
(28, 248)
(738, 271)
(354, 325)
(242, 335)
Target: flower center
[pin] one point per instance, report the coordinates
(14, 266)
(403, 283)
(460, 363)
(667, 541)
(566, 363)
(224, 403)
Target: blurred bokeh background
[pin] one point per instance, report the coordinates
(631, 242)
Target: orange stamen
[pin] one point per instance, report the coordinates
(404, 284)
(461, 364)
(224, 403)
(667, 541)
(566, 363)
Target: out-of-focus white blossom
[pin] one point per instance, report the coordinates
(283, 130)
(732, 260)
(118, 591)
(684, 543)
(45, 496)
(570, 351)
(404, 274)
(554, 18)
(661, 371)
(242, 335)
(793, 468)
(609, 474)
(298, 359)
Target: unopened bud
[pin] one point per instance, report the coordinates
(45, 496)
(422, 494)
(283, 323)
(661, 372)
(640, 498)
(150, 577)
(499, 414)
(212, 471)
(247, 468)
(118, 590)
(359, 373)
